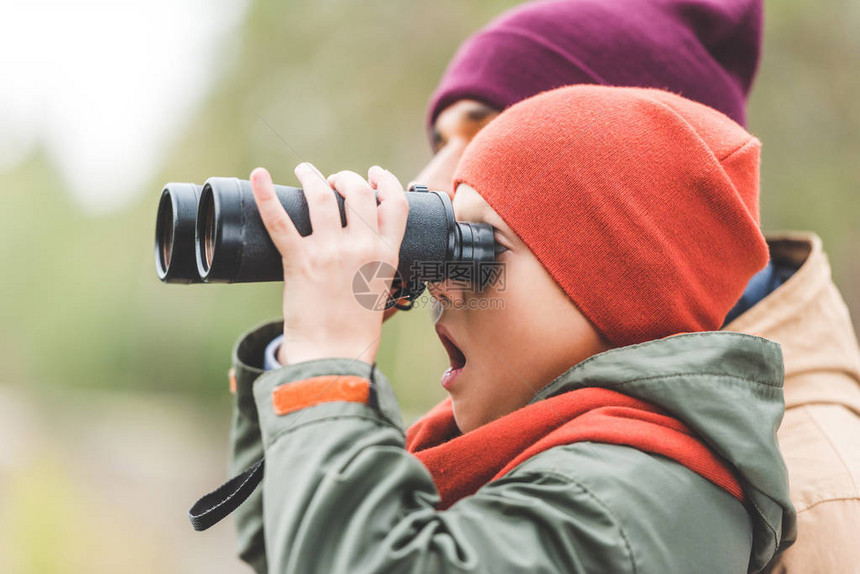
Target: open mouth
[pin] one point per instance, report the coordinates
(456, 356)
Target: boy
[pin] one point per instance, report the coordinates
(581, 434)
(709, 52)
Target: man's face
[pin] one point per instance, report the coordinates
(509, 340)
(454, 129)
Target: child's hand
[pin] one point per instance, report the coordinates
(322, 317)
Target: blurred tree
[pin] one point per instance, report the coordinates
(345, 85)
(805, 110)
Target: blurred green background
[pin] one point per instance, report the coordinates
(114, 410)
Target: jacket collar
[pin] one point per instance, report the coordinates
(808, 317)
(719, 354)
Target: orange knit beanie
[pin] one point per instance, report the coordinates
(642, 205)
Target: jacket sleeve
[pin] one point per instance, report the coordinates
(340, 494)
(247, 446)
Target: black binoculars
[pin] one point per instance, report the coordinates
(214, 234)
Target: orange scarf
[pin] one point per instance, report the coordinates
(462, 463)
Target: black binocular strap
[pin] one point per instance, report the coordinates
(214, 506)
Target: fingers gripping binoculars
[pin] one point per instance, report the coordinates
(214, 234)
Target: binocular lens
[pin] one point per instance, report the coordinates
(165, 231)
(174, 233)
(207, 218)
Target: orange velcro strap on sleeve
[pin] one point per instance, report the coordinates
(233, 381)
(326, 389)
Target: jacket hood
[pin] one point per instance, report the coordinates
(727, 387)
(809, 318)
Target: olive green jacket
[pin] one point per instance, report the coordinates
(341, 494)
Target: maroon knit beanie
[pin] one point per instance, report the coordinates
(642, 205)
(705, 50)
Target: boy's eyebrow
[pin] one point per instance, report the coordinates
(483, 215)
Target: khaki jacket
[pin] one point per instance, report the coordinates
(820, 434)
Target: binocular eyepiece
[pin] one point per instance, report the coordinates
(214, 234)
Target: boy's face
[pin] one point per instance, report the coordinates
(510, 340)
